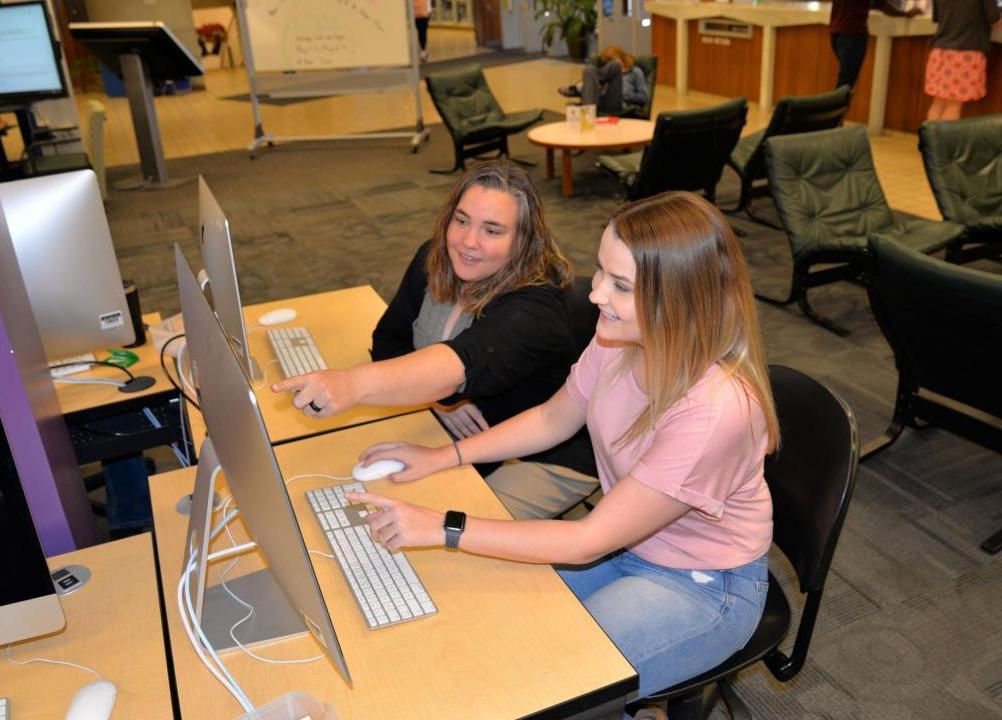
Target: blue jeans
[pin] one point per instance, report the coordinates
(671, 624)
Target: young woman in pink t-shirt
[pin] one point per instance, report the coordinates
(673, 388)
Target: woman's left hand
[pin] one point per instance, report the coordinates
(398, 524)
(463, 420)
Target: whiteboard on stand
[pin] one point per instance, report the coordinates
(303, 35)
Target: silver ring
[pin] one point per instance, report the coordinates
(315, 407)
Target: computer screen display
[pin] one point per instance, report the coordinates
(64, 253)
(30, 69)
(216, 247)
(28, 603)
(243, 449)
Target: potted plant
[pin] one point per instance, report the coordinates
(572, 21)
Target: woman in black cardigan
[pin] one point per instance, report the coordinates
(479, 326)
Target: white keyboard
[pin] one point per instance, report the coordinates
(295, 350)
(384, 584)
(4, 709)
(81, 365)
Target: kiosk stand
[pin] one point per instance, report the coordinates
(141, 53)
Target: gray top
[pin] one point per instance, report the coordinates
(429, 325)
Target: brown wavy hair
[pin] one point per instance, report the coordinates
(535, 257)
(694, 303)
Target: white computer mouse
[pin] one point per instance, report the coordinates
(94, 701)
(275, 317)
(378, 469)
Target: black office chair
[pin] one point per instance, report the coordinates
(688, 152)
(944, 325)
(811, 478)
(791, 115)
(472, 114)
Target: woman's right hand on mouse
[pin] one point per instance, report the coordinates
(419, 460)
(320, 394)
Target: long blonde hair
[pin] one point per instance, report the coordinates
(694, 304)
(535, 257)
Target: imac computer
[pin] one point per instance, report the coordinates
(216, 247)
(31, 69)
(286, 597)
(28, 603)
(64, 252)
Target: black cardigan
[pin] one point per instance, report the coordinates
(517, 354)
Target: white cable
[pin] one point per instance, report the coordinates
(295, 478)
(224, 525)
(89, 381)
(187, 613)
(186, 382)
(50, 662)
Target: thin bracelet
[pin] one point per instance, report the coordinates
(459, 456)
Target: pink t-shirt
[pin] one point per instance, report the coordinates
(707, 451)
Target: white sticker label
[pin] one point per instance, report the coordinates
(112, 320)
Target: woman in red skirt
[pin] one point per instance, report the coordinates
(956, 70)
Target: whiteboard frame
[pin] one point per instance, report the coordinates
(328, 83)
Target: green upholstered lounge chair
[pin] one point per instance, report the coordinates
(944, 325)
(829, 198)
(688, 152)
(472, 113)
(963, 161)
(791, 115)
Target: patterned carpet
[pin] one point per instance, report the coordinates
(911, 624)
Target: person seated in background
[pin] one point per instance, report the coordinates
(478, 325)
(672, 562)
(616, 82)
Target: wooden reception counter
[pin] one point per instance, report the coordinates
(769, 50)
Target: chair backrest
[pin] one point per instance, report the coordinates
(826, 190)
(794, 115)
(812, 474)
(963, 161)
(943, 322)
(95, 143)
(463, 99)
(689, 149)
(581, 312)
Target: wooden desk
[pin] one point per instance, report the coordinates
(76, 397)
(560, 135)
(509, 639)
(112, 625)
(341, 323)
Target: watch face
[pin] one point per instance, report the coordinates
(455, 520)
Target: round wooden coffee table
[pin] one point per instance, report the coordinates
(606, 136)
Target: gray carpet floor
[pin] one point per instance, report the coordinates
(911, 625)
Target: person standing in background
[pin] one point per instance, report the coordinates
(849, 33)
(956, 71)
(422, 10)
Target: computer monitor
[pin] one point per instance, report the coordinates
(31, 69)
(28, 603)
(216, 246)
(64, 252)
(240, 442)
